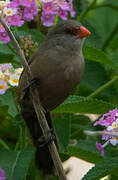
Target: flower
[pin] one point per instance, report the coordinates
(100, 147)
(4, 37)
(15, 20)
(14, 80)
(15, 12)
(30, 12)
(9, 11)
(110, 121)
(18, 71)
(47, 19)
(49, 8)
(2, 174)
(63, 4)
(3, 86)
(62, 13)
(45, 1)
(108, 118)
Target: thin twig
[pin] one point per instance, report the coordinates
(37, 106)
(95, 133)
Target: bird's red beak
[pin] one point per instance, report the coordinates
(83, 32)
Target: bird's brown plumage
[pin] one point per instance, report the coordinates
(59, 64)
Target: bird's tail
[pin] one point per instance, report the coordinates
(43, 158)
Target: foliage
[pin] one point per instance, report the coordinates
(96, 94)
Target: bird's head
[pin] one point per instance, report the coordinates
(69, 27)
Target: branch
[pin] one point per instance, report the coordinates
(37, 106)
(95, 133)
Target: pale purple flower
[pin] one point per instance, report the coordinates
(15, 20)
(30, 12)
(3, 86)
(25, 3)
(110, 121)
(72, 12)
(108, 118)
(4, 37)
(46, 1)
(63, 14)
(2, 174)
(6, 66)
(100, 148)
(63, 4)
(49, 8)
(47, 19)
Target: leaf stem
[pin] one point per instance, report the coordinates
(100, 89)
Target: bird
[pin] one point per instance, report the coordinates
(57, 66)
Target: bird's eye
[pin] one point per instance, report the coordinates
(68, 30)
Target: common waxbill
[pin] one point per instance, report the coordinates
(58, 64)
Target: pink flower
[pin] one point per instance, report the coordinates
(30, 12)
(49, 8)
(108, 118)
(15, 20)
(47, 19)
(99, 147)
(46, 1)
(63, 4)
(2, 174)
(72, 12)
(63, 14)
(4, 37)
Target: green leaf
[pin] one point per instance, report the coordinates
(78, 104)
(86, 150)
(102, 168)
(62, 124)
(97, 55)
(8, 100)
(16, 163)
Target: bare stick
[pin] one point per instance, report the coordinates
(37, 106)
(95, 133)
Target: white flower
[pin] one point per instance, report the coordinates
(18, 71)
(114, 141)
(14, 80)
(4, 3)
(9, 11)
(113, 126)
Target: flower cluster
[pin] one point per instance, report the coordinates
(110, 121)
(51, 8)
(2, 174)
(8, 76)
(15, 13)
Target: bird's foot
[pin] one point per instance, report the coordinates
(34, 81)
(42, 142)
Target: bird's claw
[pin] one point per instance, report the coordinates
(42, 142)
(31, 83)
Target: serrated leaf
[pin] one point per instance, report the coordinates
(78, 104)
(8, 100)
(103, 168)
(16, 163)
(97, 55)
